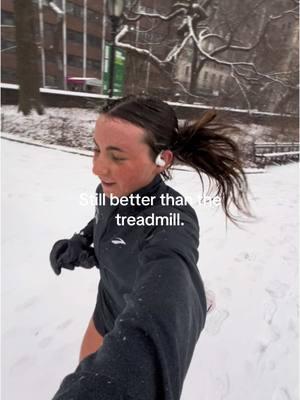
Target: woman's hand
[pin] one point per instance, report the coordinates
(70, 253)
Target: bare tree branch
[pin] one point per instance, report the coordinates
(221, 46)
(139, 15)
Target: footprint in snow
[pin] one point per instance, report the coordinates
(241, 257)
(275, 333)
(23, 363)
(277, 289)
(28, 303)
(262, 347)
(281, 394)
(270, 310)
(293, 327)
(210, 300)
(222, 386)
(64, 324)
(215, 321)
(45, 342)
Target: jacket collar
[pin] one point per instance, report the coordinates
(150, 188)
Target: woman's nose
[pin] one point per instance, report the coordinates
(100, 167)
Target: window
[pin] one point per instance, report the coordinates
(49, 30)
(74, 9)
(46, 2)
(69, 8)
(93, 41)
(129, 3)
(213, 78)
(51, 80)
(93, 64)
(7, 18)
(187, 71)
(50, 57)
(8, 76)
(74, 61)
(74, 36)
(148, 10)
(205, 79)
(8, 46)
(150, 36)
(93, 16)
(58, 3)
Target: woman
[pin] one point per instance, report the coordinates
(151, 304)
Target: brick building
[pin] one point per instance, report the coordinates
(73, 38)
(70, 40)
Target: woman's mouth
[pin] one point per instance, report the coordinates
(107, 183)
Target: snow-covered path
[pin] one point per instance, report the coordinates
(249, 348)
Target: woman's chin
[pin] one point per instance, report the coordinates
(108, 189)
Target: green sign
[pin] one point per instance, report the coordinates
(119, 71)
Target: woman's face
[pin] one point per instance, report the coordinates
(121, 159)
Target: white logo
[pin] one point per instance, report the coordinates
(118, 241)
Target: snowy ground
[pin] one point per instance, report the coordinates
(73, 127)
(249, 348)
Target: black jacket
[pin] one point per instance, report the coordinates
(153, 304)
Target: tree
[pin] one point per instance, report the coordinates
(28, 75)
(218, 35)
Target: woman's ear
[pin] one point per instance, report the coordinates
(164, 159)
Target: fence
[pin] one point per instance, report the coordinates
(275, 153)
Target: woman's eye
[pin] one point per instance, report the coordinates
(96, 150)
(114, 158)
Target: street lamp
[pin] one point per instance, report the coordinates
(115, 10)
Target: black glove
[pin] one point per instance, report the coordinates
(70, 253)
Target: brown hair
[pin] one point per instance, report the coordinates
(204, 146)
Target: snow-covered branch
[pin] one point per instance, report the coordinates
(233, 65)
(294, 12)
(173, 54)
(219, 43)
(139, 15)
(137, 50)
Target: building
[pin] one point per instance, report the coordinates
(274, 53)
(74, 37)
(71, 42)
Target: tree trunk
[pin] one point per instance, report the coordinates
(28, 76)
(194, 72)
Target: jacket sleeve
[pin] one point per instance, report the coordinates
(147, 354)
(88, 230)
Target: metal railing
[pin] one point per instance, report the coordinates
(275, 152)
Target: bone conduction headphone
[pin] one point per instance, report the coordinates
(159, 161)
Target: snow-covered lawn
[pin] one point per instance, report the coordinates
(249, 348)
(74, 126)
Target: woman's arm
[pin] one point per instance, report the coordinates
(76, 251)
(88, 232)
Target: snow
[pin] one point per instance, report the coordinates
(172, 103)
(73, 127)
(249, 348)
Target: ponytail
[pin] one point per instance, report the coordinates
(208, 149)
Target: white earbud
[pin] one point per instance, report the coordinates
(159, 161)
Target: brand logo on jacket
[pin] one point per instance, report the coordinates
(118, 240)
